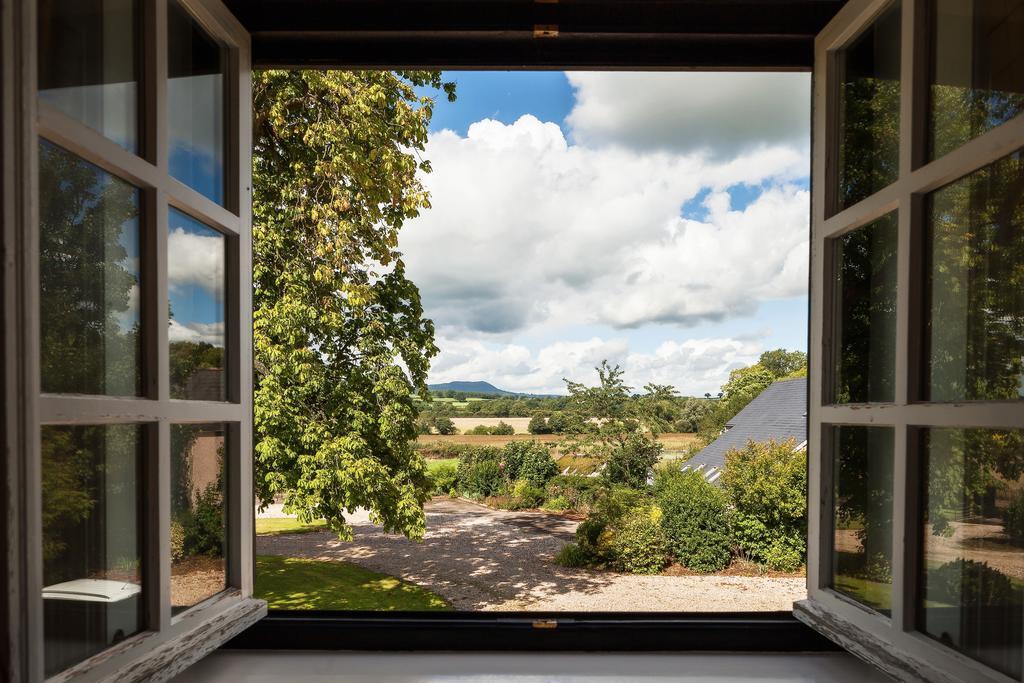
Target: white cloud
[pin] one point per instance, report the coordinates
(693, 366)
(195, 260)
(211, 333)
(721, 114)
(527, 231)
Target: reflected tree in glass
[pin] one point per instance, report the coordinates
(977, 69)
(89, 278)
(862, 514)
(865, 321)
(975, 319)
(869, 110)
(972, 573)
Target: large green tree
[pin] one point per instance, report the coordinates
(340, 340)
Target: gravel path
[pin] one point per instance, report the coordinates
(484, 559)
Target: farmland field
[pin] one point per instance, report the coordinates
(518, 423)
(674, 443)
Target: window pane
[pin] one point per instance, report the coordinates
(869, 110)
(198, 514)
(862, 514)
(975, 323)
(196, 281)
(866, 320)
(195, 100)
(92, 547)
(977, 62)
(972, 582)
(89, 278)
(89, 64)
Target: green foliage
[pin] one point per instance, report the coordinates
(527, 495)
(186, 357)
(177, 540)
(1013, 519)
(444, 425)
(970, 584)
(444, 478)
(529, 460)
(573, 556)
(558, 503)
(204, 525)
(539, 425)
(782, 363)
(631, 462)
(766, 484)
(483, 478)
(340, 341)
(639, 544)
(572, 491)
(695, 520)
(503, 429)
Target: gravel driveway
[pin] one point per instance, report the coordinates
(483, 559)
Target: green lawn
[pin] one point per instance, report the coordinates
(272, 526)
(292, 583)
(874, 594)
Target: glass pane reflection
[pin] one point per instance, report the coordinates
(89, 278)
(195, 101)
(198, 514)
(92, 548)
(89, 64)
(865, 286)
(196, 281)
(972, 583)
(977, 69)
(862, 514)
(869, 110)
(975, 315)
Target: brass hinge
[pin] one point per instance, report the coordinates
(545, 623)
(545, 30)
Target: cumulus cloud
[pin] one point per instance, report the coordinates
(694, 366)
(527, 230)
(211, 333)
(195, 260)
(719, 114)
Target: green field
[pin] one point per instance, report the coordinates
(292, 583)
(272, 526)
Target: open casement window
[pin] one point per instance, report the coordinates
(133, 344)
(916, 483)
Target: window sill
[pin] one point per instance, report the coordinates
(516, 631)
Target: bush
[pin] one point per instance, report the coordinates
(695, 520)
(639, 544)
(538, 425)
(483, 478)
(630, 464)
(1013, 519)
(444, 425)
(578, 492)
(573, 556)
(177, 541)
(479, 430)
(558, 504)
(502, 429)
(203, 527)
(529, 460)
(970, 584)
(766, 484)
(444, 478)
(527, 495)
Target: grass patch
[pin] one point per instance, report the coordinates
(273, 526)
(435, 465)
(293, 583)
(874, 594)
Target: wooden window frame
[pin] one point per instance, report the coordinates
(891, 643)
(167, 644)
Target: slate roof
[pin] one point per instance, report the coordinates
(779, 413)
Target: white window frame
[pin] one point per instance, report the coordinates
(167, 644)
(891, 643)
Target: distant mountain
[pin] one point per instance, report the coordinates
(471, 387)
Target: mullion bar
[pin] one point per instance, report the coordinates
(994, 415)
(62, 409)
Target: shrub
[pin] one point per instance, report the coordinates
(639, 544)
(203, 527)
(695, 520)
(483, 478)
(766, 484)
(630, 464)
(528, 495)
(579, 492)
(444, 425)
(572, 555)
(479, 430)
(530, 460)
(444, 478)
(538, 425)
(177, 540)
(558, 504)
(1013, 519)
(502, 429)
(970, 584)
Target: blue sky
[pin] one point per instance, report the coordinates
(195, 272)
(644, 218)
